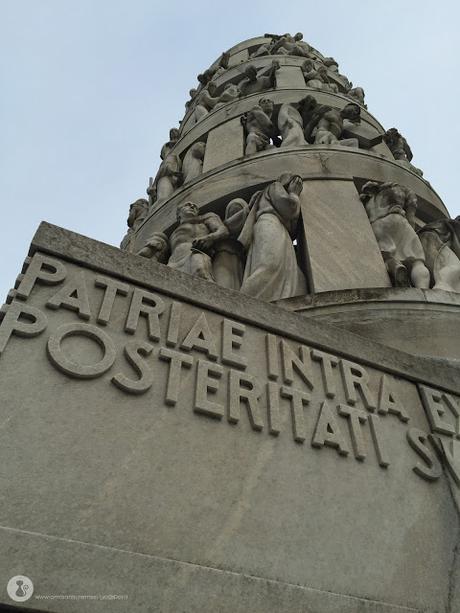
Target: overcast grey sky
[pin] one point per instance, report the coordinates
(90, 89)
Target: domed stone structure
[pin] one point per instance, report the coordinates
(254, 404)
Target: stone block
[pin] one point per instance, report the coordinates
(161, 431)
(342, 249)
(290, 77)
(225, 144)
(237, 58)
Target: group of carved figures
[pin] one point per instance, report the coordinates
(424, 258)
(173, 171)
(252, 248)
(253, 81)
(299, 124)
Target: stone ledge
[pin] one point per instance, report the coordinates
(314, 162)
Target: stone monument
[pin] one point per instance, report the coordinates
(253, 406)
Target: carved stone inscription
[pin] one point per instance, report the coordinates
(186, 358)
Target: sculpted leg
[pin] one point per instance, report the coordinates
(420, 275)
(252, 141)
(398, 272)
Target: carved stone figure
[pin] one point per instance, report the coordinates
(290, 125)
(151, 192)
(259, 127)
(254, 82)
(331, 63)
(400, 149)
(265, 49)
(291, 45)
(156, 248)
(271, 270)
(192, 241)
(192, 166)
(229, 253)
(391, 211)
(168, 177)
(231, 92)
(357, 93)
(168, 147)
(197, 114)
(441, 243)
(215, 70)
(193, 94)
(138, 211)
(398, 145)
(318, 78)
(325, 124)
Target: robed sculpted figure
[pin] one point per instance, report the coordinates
(391, 211)
(271, 270)
(441, 243)
(229, 253)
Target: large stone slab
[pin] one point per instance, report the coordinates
(341, 246)
(290, 77)
(239, 57)
(192, 449)
(225, 144)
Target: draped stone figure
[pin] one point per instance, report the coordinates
(441, 243)
(290, 125)
(156, 248)
(192, 241)
(391, 211)
(357, 93)
(229, 253)
(168, 177)
(271, 270)
(138, 211)
(259, 127)
(400, 149)
(168, 147)
(192, 166)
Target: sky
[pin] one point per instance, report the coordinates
(90, 89)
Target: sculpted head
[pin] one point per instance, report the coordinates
(174, 134)
(235, 206)
(137, 210)
(392, 194)
(307, 104)
(186, 211)
(198, 150)
(308, 65)
(251, 72)
(298, 36)
(212, 88)
(266, 105)
(351, 111)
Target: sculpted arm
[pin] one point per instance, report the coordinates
(286, 200)
(217, 229)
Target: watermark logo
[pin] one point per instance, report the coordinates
(20, 588)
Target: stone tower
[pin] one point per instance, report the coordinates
(254, 404)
